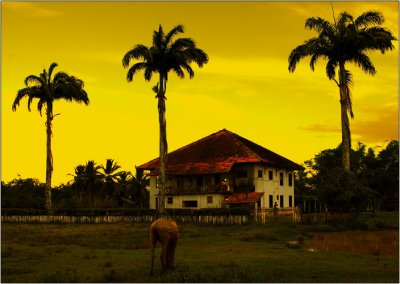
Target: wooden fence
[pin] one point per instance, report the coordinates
(258, 216)
(220, 219)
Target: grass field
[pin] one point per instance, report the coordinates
(205, 253)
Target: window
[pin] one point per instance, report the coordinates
(270, 175)
(281, 179)
(170, 200)
(189, 203)
(277, 197)
(260, 173)
(157, 203)
(290, 201)
(281, 202)
(217, 179)
(209, 199)
(290, 179)
(271, 201)
(241, 174)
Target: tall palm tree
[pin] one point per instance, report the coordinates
(163, 56)
(47, 89)
(344, 41)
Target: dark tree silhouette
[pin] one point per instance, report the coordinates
(163, 56)
(109, 177)
(47, 89)
(344, 41)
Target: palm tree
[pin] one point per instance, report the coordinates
(92, 177)
(47, 88)
(140, 181)
(109, 176)
(163, 56)
(79, 181)
(344, 41)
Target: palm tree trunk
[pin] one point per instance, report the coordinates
(49, 157)
(163, 142)
(346, 136)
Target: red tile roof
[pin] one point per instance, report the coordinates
(217, 153)
(251, 197)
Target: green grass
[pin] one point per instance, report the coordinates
(205, 253)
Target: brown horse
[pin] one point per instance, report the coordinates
(166, 232)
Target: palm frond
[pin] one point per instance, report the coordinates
(178, 70)
(330, 69)
(302, 51)
(349, 83)
(188, 69)
(348, 78)
(42, 101)
(137, 52)
(155, 89)
(148, 73)
(30, 92)
(177, 29)
(320, 25)
(198, 56)
(369, 18)
(314, 59)
(51, 68)
(364, 62)
(182, 44)
(379, 38)
(134, 69)
(344, 19)
(69, 88)
(34, 79)
(159, 38)
(20, 95)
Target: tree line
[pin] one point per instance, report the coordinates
(373, 184)
(91, 186)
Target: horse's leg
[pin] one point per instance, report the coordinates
(171, 250)
(168, 256)
(163, 254)
(153, 242)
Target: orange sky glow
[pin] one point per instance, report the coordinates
(245, 88)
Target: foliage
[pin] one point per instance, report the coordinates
(23, 193)
(92, 186)
(373, 183)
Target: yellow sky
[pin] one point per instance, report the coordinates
(245, 88)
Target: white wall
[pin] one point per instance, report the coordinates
(273, 187)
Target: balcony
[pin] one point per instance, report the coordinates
(208, 189)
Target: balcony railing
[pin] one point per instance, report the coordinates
(207, 189)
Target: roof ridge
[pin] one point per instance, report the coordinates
(236, 136)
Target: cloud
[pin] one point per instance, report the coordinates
(31, 9)
(379, 124)
(383, 124)
(325, 128)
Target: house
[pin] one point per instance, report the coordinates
(223, 170)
